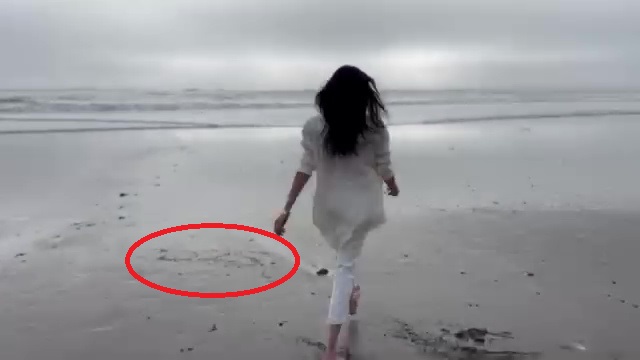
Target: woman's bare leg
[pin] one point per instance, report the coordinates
(332, 343)
(351, 334)
(339, 305)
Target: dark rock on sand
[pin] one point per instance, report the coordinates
(213, 328)
(123, 194)
(322, 272)
(121, 218)
(281, 323)
(636, 306)
(20, 255)
(529, 274)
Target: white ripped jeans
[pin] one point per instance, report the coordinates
(344, 279)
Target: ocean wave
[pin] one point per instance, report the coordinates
(126, 125)
(200, 100)
(16, 100)
(533, 116)
(74, 107)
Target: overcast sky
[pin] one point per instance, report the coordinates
(291, 44)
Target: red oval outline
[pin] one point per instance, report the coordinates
(217, 295)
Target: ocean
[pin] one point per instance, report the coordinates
(24, 111)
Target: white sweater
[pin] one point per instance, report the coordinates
(349, 193)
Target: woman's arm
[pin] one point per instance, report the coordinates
(299, 182)
(307, 167)
(383, 163)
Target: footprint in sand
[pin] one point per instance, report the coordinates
(462, 344)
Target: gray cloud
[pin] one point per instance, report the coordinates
(295, 43)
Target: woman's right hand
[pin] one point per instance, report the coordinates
(392, 187)
(280, 222)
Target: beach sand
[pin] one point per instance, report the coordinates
(528, 229)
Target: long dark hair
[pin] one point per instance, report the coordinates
(351, 106)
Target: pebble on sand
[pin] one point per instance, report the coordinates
(614, 282)
(636, 306)
(20, 255)
(529, 274)
(123, 194)
(322, 272)
(213, 328)
(121, 217)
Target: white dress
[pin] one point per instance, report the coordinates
(348, 201)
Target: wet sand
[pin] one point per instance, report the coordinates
(511, 240)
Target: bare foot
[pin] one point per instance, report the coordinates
(330, 355)
(350, 341)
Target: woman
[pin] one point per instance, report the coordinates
(347, 145)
